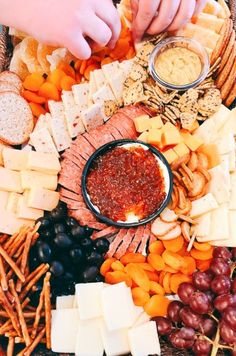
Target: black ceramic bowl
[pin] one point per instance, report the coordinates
(162, 163)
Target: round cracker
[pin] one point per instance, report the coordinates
(8, 86)
(225, 33)
(16, 118)
(232, 95)
(12, 78)
(225, 90)
(222, 77)
(227, 51)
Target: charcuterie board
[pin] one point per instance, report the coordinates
(118, 183)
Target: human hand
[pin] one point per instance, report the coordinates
(155, 16)
(75, 24)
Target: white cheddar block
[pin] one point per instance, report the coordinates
(15, 160)
(203, 226)
(225, 143)
(220, 223)
(64, 330)
(12, 202)
(2, 146)
(89, 339)
(232, 203)
(72, 114)
(144, 340)
(43, 162)
(43, 142)
(4, 196)
(59, 128)
(41, 180)
(24, 212)
(110, 68)
(219, 185)
(81, 92)
(89, 300)
(220, 117)
(10, 180)
(10, 224)
(44, 199)
(122, 316)
(102, 94)
(65, 302)
(115, 342)
(93, 117)
(142, 319)
(230, 124)
(203, 205)
(232, 161)
(26, 148)
(99, 78)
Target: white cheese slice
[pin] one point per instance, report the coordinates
(59, 128)
(231, 241)
(232, 203)
(4, 196)
(2, 146)
(10, 224)
(43, 162)
(24, 212)
(44, 122)
(142, 319)
(12, 202)
(41, 180)
(89, 339)
(220, 117)
(144, 340)
(65, 302)
(93, 117)
(225, 143)
(219, 185)
(64, 330)
(14, 159)
(81, 92)
(10, 180)
(203, 205)
(230, 124)
(43, 142)
(102, 94)
(115, 342)
(220, 223)
(109, 69)
(26, 147)
(203, 226)
(122, 316)
(92, 89)
(88, 299)
(207, 131)
(117, 85)
(99, 78)
(232, 161)
(72, 114)
(44, 199)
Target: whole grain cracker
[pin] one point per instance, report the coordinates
(138, 73)
(227, 69)
(225, 33)
(232, 95)
(227, 51)
(210, 102)
(226, 88)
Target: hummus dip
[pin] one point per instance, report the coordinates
(178, 66)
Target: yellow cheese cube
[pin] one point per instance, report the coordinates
(193, 142)
(143, 137)
(171, 137)
(195, 126)
(212, 153)
(154, 137)
(168, 126)
(181, 149)
(170, 156)
(156, 122)
(142, 123)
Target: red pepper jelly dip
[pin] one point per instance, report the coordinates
(126, 182)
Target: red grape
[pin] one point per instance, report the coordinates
(199, 303)
(164, 325)
(224, 301)
(185, 291)
(208, 326)
(202, 347)
(210, 295)
(234, 254)
(222, 252)
(202, 281)
(221, 285)
(173, 311)
(190, 318)
(187, 333)
(219, 266)
(229, 317)
(227, 334)
(178, 342)
(234, 285)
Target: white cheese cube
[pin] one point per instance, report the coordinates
(10, 224)
(203, 205)
(144, 340)
(115, 342)
(142, 319)
(4, 196)
(14, 159)
(43, 142)
(64, 330)
(65, 302)
(24, 212)
(30, 179)
(44, 199)
(89, 339)
(10, 181)
(13, 202)
(88, 299)
(122, 315)
(43, 162)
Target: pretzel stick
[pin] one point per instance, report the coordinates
(19, 340)
(16, 243)
(35, 238)
(8, 322)
(24, 259)
(47, 301)
(11, 272)
(10, 346)
(34, 273)
(7, 306)
(10, 240)
(38, 314)
(11, 263)
(29, 349)
(3, 275)
(20, 314)
(3, 239)
(33, 281)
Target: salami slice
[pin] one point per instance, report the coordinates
(83, 215)
(116, 242)
(84, 145)
(146, 235)
(133, 111)
(125, 243)
(97, 225)
(71, 195)
(114, 132)
(72, 155)
(107, 232)
(137, 239)
(70, 184)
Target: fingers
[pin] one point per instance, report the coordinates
(146, 11)
(166, 14)
(199, 6)
(79, 47)
(98, 31)
(184, 14)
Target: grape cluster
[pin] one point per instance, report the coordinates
(69, 250)
(204, 319)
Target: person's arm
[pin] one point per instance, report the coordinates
(66, 23)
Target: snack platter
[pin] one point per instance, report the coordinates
(118, 194)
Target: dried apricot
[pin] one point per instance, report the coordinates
(146, 267)
(176, 280)
(117, 266)
(203, 265)
(166, 282)
(49, 91)
(140, 296)
(156, 288)
(33, 81)
(172, 259)
(157, 306)
(189, 265)
(118, 277)
(67, 82)
(55, 77)
(106, 266)
(200, 246)
(32, 97)
(156, 261)
(201, 255)
(156, 247)
(152, 276)
(132, 257)
(138, 275)
(174, 245)
(37, 109)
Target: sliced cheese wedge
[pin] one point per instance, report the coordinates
(99, 78)
(72, 114)
(31, 178)
(24, 212)
(59, 128)
(47, 163)
(81, 93)
(225, 143)
(144, 340)
(232, 203)
(43, 142)
(203, 205)
(88, 299)
(102, 94)
(231, 241)
(44, 199)
(220, 223)
(115, 342)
